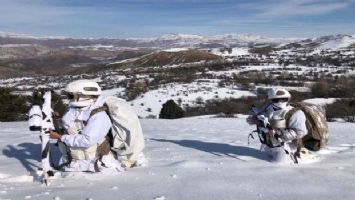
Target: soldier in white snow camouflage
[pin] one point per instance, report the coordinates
(287, 127)
(85, 131)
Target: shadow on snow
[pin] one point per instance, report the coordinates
(219, 149)
(29, 154)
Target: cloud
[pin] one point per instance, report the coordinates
(299, 7)
(153, 17)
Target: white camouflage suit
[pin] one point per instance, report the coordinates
(85, 133)
(295, 128)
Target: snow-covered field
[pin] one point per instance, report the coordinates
(338, 43)
(191, 158)
(321, 101)
(238, 51)
(291, 69)
(150, 103)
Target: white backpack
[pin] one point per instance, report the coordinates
(126, 132)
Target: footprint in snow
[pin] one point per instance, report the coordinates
(3, 192)
(348, 145)
(236, 142)
(151, 173)
(173, 176)
(339, 149)
(189, 164)
(159, 198)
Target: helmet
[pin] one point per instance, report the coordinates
(84, 87)
(278, 93)
(82, 93)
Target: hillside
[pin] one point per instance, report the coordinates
(26, 55)
(166, 58)
(212, 80)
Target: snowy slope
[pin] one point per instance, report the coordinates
(151, 102)
(200, 159)
(338, 43)
(320, 101)
(291, 69)
(237, 51)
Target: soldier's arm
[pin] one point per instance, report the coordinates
(95, 130)
(296, 127)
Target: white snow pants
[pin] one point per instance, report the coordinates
(111, 165)
(277, 154)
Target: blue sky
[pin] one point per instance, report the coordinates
(151, 18)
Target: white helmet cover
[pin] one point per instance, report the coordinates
(278, 93)
(84, 87)
(82, 91)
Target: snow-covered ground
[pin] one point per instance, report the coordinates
(237, 51)
(191, 158)
(175, 49)
(150, 103)
(338, 43)
(291, 69)
(320, 101)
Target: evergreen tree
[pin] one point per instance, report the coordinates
(13, 107)
(171, 110)
(58, 105)
(57, 101)
(37, 98)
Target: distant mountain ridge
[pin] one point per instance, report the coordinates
(164, 41)
(27, 55)
(167, 40)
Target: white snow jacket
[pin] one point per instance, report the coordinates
(81, 135)
(85, 133)
(295, 128)
(296, 125)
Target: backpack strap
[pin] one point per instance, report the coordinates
(290, 113)
(103, 148)
(300, 144)
(99, 109)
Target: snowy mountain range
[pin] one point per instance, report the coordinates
(167, 40)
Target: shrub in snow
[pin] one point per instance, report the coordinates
(342, 108)
(226, 106)
(171, 110)
(58, 105)
(199, 100)
(151, 117)
(13, 107)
